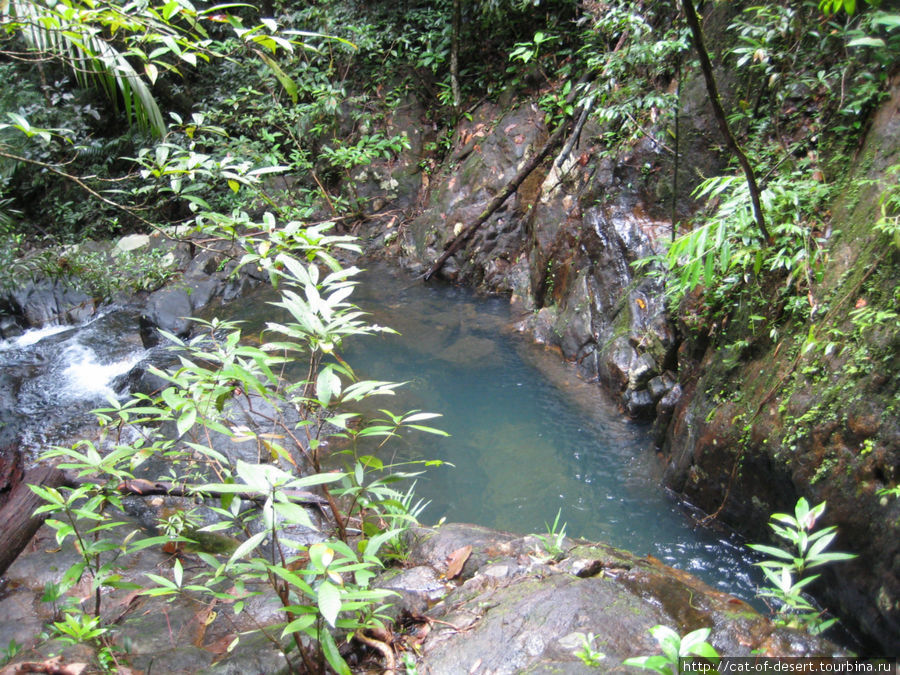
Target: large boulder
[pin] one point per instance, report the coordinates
(516, 605)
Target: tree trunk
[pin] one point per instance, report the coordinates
(454, 53)
(713, 92)
(17, 524)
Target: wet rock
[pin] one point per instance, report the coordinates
(10, 327)
(131, 242)
(418, 587)
(638, 403)
(642, 370)
(48, 302)
(542, 326)
(516, 609)
(615, 366)
(433, 547)
(661, 385)
(168, 309)
(833, 436)
(489, 152)
(666, 405)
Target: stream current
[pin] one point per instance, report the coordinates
(528, 439)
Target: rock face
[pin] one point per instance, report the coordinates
(776, 420)
(488, 153)
(41, 303)
(510, 607)
(563, 247)
(746, 430)
(515, 607)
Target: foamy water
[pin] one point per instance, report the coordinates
(85, 376)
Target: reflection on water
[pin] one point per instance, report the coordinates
(528, 438)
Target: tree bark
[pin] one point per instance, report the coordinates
(713, 91)
(454, 53)
(17, 522)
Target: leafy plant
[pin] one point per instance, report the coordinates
(9, 652)
(589, 656)
(675, 648)
(80, 513)
(786, 570)
(553, 542)
(297, 394)
(631, 48)
(526, 51)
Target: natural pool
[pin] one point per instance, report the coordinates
(528, 438)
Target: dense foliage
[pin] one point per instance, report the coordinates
(130, 116)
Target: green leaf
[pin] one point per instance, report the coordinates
(294, 514)
(178, 572)
(328, 385)
(299, 625)
(695, 643)
(668, 641)
(248, 546)
(657, 663)
(186, 420)
(771, 550)
(329, 600)
(289, 85)
(330, 649)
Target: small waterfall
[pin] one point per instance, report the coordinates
(51, 377)
(85, 377)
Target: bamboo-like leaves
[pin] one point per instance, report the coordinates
(79, 35)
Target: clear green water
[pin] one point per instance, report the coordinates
(527, 437)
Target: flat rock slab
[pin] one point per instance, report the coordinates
(519, 608)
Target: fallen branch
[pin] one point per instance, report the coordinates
(147, 488)
(555, 139)
(17, 522)
(500, 198)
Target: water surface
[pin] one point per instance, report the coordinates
(528, 438)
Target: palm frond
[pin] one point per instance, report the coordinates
(76, 35)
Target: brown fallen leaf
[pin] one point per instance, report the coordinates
(456, 560)
(204, 617)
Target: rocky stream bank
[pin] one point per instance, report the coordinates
(469, 600)
(747, 424)
(741, 436)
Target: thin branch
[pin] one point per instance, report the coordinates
(80, 183)
(713, 92)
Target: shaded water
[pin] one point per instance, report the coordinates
(528, 438)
